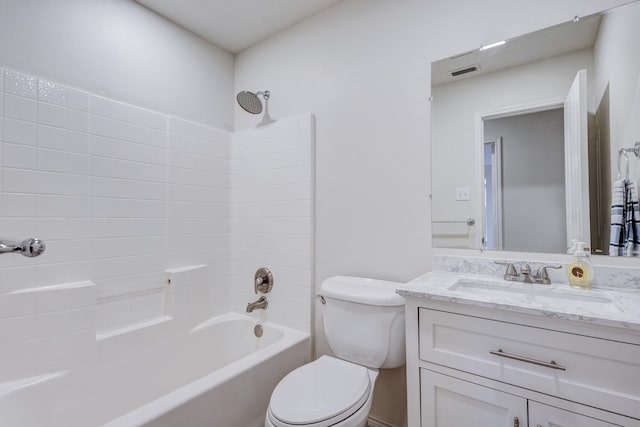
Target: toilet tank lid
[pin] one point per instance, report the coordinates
(362, 290)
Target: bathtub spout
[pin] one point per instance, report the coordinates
(260, 303)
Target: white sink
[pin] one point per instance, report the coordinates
(528, 294)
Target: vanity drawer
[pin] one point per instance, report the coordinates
(593, 371)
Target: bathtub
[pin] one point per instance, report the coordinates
(218, 374)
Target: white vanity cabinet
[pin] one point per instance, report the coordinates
(476, 366)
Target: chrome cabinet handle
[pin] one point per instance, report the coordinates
(552, 364)
(516, 422)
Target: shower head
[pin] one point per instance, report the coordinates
(250, 102)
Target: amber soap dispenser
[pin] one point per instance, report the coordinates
(580, 271)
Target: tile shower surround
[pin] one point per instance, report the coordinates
(120, 194)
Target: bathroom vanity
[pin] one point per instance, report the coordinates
(482, 351)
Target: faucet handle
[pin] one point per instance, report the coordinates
(542, 276)
(511, 273)
(262, 281)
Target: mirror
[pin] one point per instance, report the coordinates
(526, 135)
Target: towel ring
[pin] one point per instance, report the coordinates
(621, 153)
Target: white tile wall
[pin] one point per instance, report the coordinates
(119, 194)
(126, 199)
(271, 217)
(45, 326)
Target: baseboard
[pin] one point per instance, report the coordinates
(373, 422)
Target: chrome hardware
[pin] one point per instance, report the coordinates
(469, 221)
(321, 299)
(29, 247)
(263, 280)
(261, 303)
(258, 331)
(552, 364)
(542, 276)
(516, 422)
(525, 270)
(511, 273)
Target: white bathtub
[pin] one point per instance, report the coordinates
(219, 374)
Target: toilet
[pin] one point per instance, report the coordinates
(364, 326)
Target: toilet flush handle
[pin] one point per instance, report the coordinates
(321, 299)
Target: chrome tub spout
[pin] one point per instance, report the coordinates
(261, 303)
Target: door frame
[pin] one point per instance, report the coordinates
(499, 113)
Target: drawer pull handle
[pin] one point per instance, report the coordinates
(552, 364)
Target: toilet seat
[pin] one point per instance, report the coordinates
(320, 394)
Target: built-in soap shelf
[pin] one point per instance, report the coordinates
(173, 295)
(74, 309)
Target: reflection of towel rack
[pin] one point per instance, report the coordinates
(469, 221)
(623, 152)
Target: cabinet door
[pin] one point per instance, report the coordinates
(447, 401)
(547, 416)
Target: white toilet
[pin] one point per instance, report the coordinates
(364, 325)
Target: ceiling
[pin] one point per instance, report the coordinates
(546, 43)
(234, 25)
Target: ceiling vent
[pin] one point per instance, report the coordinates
(465, 70)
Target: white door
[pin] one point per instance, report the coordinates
(493, 194)
(547, 416)
(576, 161)
(448, 402)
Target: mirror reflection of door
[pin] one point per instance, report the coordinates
(576, 161)
(533, 181)
(492, 238)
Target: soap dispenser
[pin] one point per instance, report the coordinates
(580, 271)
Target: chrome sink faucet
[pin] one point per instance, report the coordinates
(541, 276)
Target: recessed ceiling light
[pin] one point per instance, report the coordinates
(496, 44)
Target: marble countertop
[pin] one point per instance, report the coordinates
(603, 306)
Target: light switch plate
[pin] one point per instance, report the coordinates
(463, 193)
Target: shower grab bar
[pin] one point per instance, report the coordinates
(31, 247)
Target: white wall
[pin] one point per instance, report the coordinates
(121, 50)
(363, 68)
(617, 63)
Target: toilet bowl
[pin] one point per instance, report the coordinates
(364, 325)
(326, 392)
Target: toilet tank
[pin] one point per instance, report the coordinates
(364, 321)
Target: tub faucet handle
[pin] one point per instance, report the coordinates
(262, 281)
